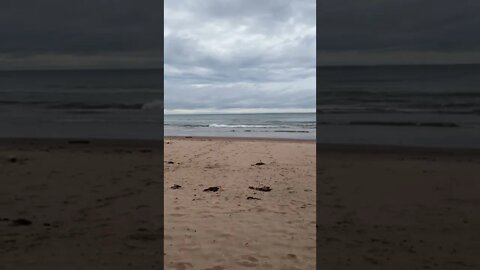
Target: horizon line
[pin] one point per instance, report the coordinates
(234, 113)
(82, 69)
(396, 65)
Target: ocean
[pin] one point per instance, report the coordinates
(430, 106)
(261, 125)
(437, 106)
(122, 104)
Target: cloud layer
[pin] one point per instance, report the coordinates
(398, 32)
(239, 55)
(80, 34)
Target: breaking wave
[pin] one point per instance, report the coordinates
(153, 105)
(238, 126)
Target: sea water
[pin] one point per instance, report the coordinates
(436, 106)
(394, 105)
(123, 104)
(260, 125)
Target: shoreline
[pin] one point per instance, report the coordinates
(81, 141)
(322, 147)
(202, 138)
(394, 149)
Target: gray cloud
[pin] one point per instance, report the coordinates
(239, 55)
(398, 31)
(122, 31)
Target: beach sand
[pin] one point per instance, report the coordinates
(97, 205)
(227, 230)
(398, 208)
(91, 205)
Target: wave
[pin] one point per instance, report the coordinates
(392, 123)
(247, 127)
(185, 125)
(80, 105)
(96, 120)
(85, 90)
(401, 123)
(15, 102)
(410, 110)
(238, 126)
(293, 131)
(392, 94)
(153, 105)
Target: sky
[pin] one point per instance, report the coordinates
(236, 55)
(239, 56)
(59, 34)
(376, 32)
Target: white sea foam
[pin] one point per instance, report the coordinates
(153, 105)
(238, 126)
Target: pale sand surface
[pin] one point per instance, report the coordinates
(92, 206)
(225, 230)
(396, 208)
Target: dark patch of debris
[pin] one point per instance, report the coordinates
(21, 222)
(262, 188)
(212, 189)
(78, 142)
(143, 236)
(259, 164)
(176, 186)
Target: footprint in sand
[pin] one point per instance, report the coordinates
(248, 261)
(182, 266)
(291, 256)
(215, 268)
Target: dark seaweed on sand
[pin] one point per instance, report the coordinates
(175, 186)
(212, 189)
(21, 222)
(263, 188)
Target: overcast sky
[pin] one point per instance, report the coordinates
(239, 56)
(60, 34)
(398, 32)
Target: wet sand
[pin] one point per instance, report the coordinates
(239, 226)
(80, 204)
(398, 208)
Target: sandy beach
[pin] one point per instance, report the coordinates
(237, 227)
(96, 205)
(80, 204)
(398, 208)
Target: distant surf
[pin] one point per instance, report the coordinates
(82, 103)
(266, 125)
(400, 105)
